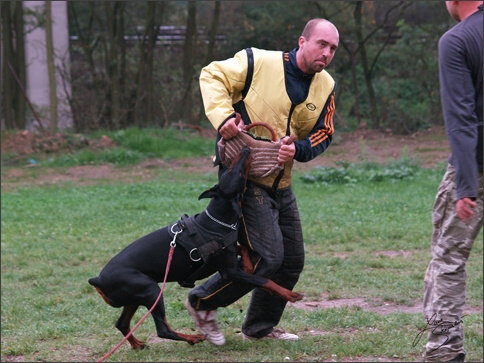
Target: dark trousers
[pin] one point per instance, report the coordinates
(272, 230)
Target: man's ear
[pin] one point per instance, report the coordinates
(209, 193)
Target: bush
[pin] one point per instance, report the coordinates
(350, 173)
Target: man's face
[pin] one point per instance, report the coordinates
(317, 52)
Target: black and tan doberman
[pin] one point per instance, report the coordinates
(130, 279)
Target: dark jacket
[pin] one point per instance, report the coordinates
(460, 72)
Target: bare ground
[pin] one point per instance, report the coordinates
(429, 147)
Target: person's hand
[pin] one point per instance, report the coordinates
(464, 208)
(230, 128)
(287, 150)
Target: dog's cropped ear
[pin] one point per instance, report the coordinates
(210, 193)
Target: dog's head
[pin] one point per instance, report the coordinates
(232, 182)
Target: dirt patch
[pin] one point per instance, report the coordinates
(428, 147)
(391, 253)
(26, 143)
(32, 175)
(366, 359)
(13, 358)
(378, 306)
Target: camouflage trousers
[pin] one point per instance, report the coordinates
(445, 279)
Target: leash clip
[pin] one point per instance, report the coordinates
(175, 233)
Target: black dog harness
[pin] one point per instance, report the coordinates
(200, 243)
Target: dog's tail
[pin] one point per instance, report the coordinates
(95, 281)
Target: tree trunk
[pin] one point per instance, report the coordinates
(211, 45)
(50, 67)
(350, 49)
(121, 71)
(112, 64)
(366, 69)
(188, 58)
(212, 32)
(144, 113)
(8, 85)
(85, 34)
(355, 85)
(19, 66)
(88, 41)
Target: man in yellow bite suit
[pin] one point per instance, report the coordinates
(293, 93)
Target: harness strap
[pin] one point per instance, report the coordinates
(201, 246)
(190, 280)
(185, 223)
(210, 247)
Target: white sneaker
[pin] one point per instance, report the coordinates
(206, 321)
(277, 334)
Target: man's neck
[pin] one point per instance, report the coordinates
(467, 8)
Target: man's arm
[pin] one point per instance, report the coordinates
(221, 84)
(458, 104)
(320, 136)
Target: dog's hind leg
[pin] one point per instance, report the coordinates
(123, 324)
(164, 330)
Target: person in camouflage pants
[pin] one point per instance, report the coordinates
(457, 214)
(445, 279)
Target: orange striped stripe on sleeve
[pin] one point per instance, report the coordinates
(328, 129)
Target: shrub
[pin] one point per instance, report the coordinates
(350, 173)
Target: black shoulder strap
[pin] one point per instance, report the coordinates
(250, 71)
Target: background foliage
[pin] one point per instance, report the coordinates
(137, 63)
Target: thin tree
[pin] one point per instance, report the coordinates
(211, 45)
(49, 44)
(368, 64)
(89, 108)
(144, 105)
(19, 65)
(356, 44)
(213, 32)
(115, 58)
(188, 62)
(8, 87)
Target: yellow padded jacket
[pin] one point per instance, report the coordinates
(267, 100)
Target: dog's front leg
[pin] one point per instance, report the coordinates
(286, 294)
(247, 265)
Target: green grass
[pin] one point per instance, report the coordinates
(53, 238)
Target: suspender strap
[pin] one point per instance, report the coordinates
(250, 71)
(240, 105)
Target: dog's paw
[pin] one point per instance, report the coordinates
(193, 338)
(296, 296)
(139, 346)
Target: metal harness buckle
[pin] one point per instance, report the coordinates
(191, 257)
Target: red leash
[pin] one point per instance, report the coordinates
(170, 255)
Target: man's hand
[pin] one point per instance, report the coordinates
(230, 128)
(287, 150)
(464, 208)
